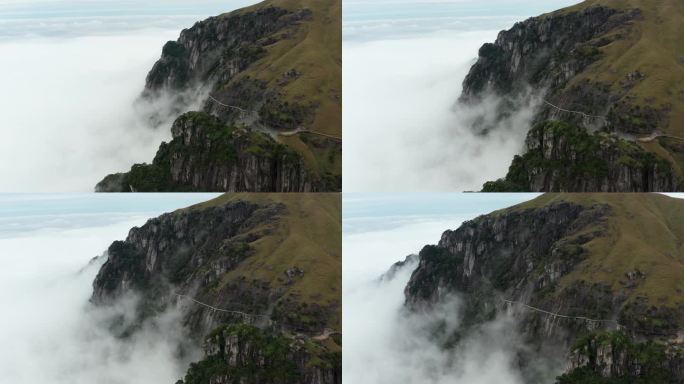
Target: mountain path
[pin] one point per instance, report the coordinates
(286, 133)
(323, 336)
(586, 116)
(678, 340)
(647, 139)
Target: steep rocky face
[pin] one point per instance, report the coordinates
(546, 53)
(182, 252)
(559, 157)
(530, 263)
(214, 51)
(217, 48)
(496, 253)
(219, 267)
(247, 355)
(207, 155)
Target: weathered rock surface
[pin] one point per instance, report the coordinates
(216, 49)
(247, 355)
(207, 155)
(560, 157)
(545, 53)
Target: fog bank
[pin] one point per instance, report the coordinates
(50, 332)
(69, 118)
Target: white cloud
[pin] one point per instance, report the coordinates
(68, 117)
(50, 333)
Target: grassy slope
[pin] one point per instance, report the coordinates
(654, 47)
(645, 232)
(314, 49)
(308, 235)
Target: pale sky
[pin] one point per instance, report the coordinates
(19, 18)
(377, 19)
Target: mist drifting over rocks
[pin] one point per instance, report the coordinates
(385, 342)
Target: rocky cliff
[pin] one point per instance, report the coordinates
(586, 65)
(273, 69)
(208, 155)
(255, 285)
(559, 157)
(580, 274)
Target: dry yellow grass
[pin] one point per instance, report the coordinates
(654, 47)
(308, 235)
(645, 233)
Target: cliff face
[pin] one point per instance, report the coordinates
(550, 257)
(216, 49)
(271, 69)
(244, 354)
(274, 314)
(559, 157)
(543, 52)
(586, 64)
(207, 155)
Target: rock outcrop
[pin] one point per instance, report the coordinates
(559, 157)
(224, 255)
(245, 354)
(535, 263)
(599, 358)
(208, 155)
(218, 48)
(546, 54)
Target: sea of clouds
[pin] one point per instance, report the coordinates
(71, 72)
(49, 331)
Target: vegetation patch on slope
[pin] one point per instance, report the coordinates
(561, 157)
